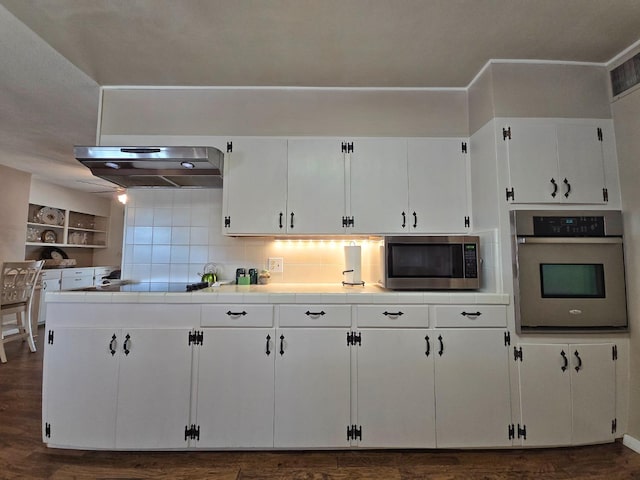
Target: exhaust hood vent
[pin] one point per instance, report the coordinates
(131, 167)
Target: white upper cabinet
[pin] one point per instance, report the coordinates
(328, 186)
(255, 187)
(378, 186)
(437, 175)
(554, 161)
(316, 186)
(581, 163)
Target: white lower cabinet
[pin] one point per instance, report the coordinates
(80, 388)
(235, 388)
(395, 388)
(313, 377)
(472, 390)
(312, 388)
(567, 393)
(117, 388)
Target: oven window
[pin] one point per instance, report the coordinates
(425, 261)
(569, 280)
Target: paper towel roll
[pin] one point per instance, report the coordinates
(352, 261)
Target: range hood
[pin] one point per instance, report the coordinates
(130, 167)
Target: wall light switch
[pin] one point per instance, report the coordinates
(275, 264)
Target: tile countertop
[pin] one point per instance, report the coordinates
(300, 293)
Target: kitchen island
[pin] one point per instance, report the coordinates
(283, 366)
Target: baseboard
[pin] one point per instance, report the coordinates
(631, 442)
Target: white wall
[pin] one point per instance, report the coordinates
(284, 112)
(626, 115)
(14, 198)
(538, 89)
(171, 233)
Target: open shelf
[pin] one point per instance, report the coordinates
(57, 227)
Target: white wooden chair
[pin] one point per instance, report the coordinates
(17, 284)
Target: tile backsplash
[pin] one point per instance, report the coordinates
(170, 234)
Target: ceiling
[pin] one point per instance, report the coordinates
(57, 53)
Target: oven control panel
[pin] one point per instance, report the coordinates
(568, 226)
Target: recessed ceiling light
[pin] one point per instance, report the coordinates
(112, 165)
(187, 165)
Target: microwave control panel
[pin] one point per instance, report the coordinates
(568, 226)
(470, 260)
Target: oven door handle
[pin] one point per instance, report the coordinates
(569, 240)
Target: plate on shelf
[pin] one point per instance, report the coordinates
(50, 216)
(49, 236)
(53, 253)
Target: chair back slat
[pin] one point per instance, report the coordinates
(18, 281)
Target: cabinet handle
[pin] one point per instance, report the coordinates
(113, 344)
(579, 366)
(441, 345)
(291, 219)
(428, 346)
(404, 220)
(268, 352)
(393, 314)
(314, 314)
(471, 315)
(568, 192)
(555, 188)
(415, 220)
(280, 221)
(281, 344)
(126, 346)
(566, 361)
(236, 314)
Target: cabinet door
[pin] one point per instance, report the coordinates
(545, 394)
(437, 185)
(80, 387)
(473, 402)
(581, 164)
(316, 186)
(395, 388)
(312, 396)
(235, 388)
(50, 283)
(533, 162)
(255, 186)
(154, 388)
(593, 390)
(378, 179)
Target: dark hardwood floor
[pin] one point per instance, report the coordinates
(24, 456)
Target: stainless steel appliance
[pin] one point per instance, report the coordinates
(431, 263)
(569, 271)
(128, 167)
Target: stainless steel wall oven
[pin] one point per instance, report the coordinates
(569, 271)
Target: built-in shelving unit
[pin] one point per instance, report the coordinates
(59, 227)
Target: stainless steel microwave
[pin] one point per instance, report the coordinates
(431, 263)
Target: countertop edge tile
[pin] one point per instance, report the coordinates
(181, 297)
(125, 297)
(99, 297)
(152, 297)
(66, 297)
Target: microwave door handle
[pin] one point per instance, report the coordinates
(569, 240)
